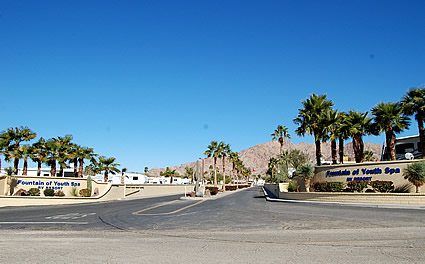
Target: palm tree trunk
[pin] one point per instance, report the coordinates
(75, 167)
(358, 147)
(53, 169)
(281, 145)
(38, 168)
(421, 135)
(417, 189)
(224, 173)
(333, 150)
(15, 165)
(318, 152)
(80, 169)
(215, 172)
(341, 150)
(61, 170)
(390, 141)
(105, 177)
(25, 169)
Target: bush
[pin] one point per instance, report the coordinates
(74, 191)
(293, 186)
(59, 193)
(230, 187)
(213, 190)
(85, 192)
(21, 192)
(328, 186)
(34, 192)
(357, 186)
(382, 186)
(49, 192)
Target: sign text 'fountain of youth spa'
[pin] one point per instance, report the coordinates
(362, 174)
(48, 184)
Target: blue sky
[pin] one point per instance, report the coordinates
(153, 82)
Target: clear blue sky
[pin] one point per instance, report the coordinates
(153, 82)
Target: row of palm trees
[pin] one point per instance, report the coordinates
(52, 152)
(318, 118)
(221, 150)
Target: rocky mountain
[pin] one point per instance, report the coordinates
(257, 157)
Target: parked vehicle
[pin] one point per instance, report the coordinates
(406, 148)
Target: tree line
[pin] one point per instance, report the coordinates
(52, 152)
(318, 118)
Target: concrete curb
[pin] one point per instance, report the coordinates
(214, 197)
(384, 206)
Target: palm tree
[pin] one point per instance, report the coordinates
(306, 172)
(389, 118)
(189, 172)
(108, 165)
(360, 125)
(279, 134)
(38, 154)
(212, 151)
(234, 158)
(224, 150)
(310, 120)
(12, 138)
(169, 173)
(368, 156)
(14, 154)
(415, 173)
(342, 133)
(52, 154)
(272, 164)
(84, 153)
(413, 103)
(64, 153)
(331, 120)
(26, 154)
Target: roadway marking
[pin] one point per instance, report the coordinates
(43, 223)
(70, 216)
(140, 212)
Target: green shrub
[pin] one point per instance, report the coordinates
(59, 193)
(85, 192)
(49, 192)
(74, 191)
(213, 190)
(357, 186)
(34, 192)
(382, 186)
(328, 186)
(230, 187)
(293, 186)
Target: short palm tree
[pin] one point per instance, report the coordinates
(360, 125)
(39, 153)
(108, 165)
(310, 120)
(415, 173)
(272, 165)
(213, 151)
(82, 154)
(413, 103)
(306, 172)
(389, 118)
(279, 134)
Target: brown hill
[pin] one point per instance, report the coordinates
(257, 157)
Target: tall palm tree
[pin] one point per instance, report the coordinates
(26, 154)
(52, 154)
(389, 118)
(331, 120)
(234, 158)
(224, 150)
(14, 154)
(279, 134)
(360, 125)
(413, 103)
(310, 120)
(212, 151)
(108, 165)
(65, 150)
(342, 133)
(14, 137)
(39, 153)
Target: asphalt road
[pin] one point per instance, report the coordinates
(242, 227)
